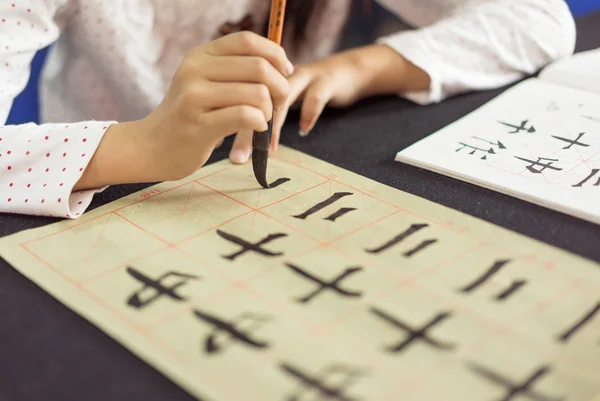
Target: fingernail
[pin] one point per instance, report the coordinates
(303, 133)
(238, 156)
(289, 68)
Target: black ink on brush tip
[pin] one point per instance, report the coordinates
(331, 384)
(239, 330)
(156, 289)
(251, 247)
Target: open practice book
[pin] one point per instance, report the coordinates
(538, 141)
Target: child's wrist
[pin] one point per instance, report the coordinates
(119, 159)
(383, 71)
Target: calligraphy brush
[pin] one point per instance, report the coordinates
(262, 140)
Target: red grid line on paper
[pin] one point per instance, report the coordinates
(509, 326)
(263, 213)
(476, 164)
(323, 330)
(233, 282)
(83, 221)
(426, 218)
(501, 331)
(121, 265)
(243, 283)
(358, 229)
(583, 162)
(100, 235)
(414, 280)
(341, 183)
(266, 215)
(187, 199)
(101, 302)
(168, 245)
(281, 308)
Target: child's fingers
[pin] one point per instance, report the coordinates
(229, 120)
(316, 98)
(278, 120)
(250, 70)
(211, 96)
(242, 147)
(251, 44)
(298, 83)
(233, 94)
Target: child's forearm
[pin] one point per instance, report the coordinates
(386, 72)
(121, 158)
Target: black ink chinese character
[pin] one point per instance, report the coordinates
(596, 119)
(333, 285)
(515, 390)
(278, 182)
(490, 151)
(496, 267)
(414, 334)
(543, 166)
(329, 385)
(247, 246)
(226, 333)
(572, 142)
(413, 229)
(156, 288)
(519, 128)
(475, 149)
(564, 337)
(319, 206)
(499, 144)
(589, 177)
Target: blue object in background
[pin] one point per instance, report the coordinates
(26, 108)
(582, 7)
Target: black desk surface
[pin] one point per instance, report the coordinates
(48, 352)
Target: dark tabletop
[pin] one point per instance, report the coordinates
(48, 352)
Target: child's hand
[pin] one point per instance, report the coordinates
(231, 84)
(336, 80)
(345, 78)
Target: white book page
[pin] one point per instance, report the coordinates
(537, 141)
(581, 71)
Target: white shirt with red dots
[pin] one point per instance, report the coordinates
(112, 61)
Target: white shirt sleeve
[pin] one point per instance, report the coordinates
(39, 164)
(486, 44)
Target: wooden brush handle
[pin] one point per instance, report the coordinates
(276, 20)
